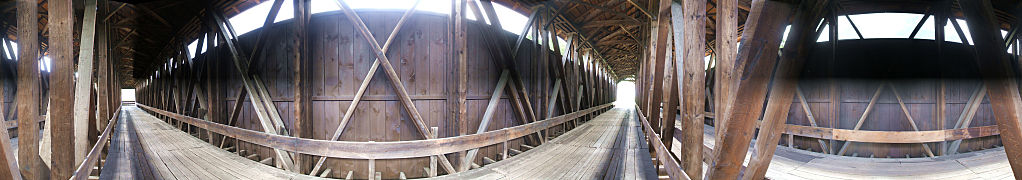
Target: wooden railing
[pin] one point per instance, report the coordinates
(92, 158)
(378, 150)
(891, 136)
(869, 136)
(663, 155)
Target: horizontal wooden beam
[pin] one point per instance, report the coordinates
(377, 150)
(891, 136)
(662, 154)
(83, 170)
(602, 23)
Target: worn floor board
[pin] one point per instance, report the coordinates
(608, 146)
(790, 163)
(145, 147)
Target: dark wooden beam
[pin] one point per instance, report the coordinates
(643, 10)
(918, 25)
(103, 77)
(660, 38)
(689, 30)
(459, 57)
(1015, 30)
(997, 73)
(112, 13)
(603, 23)
(766, 23)
(615, 42)
(154, 15)
(854, 27)
(785, 84)
(571, 25)
(302, 60)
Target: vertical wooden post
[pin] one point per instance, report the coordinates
(103, 90)
(761, 40)
(690, 44)
(92, 133)
(832, 84)
(668, 99)
(28, 91)
(656, 68)
(302, 79)
(660, 50)
(215, 96)
(433, 159)
(61, 26)
(725, 51)
(671, 99)
(372, 168)
(939, 20)
(997, 74)
(640, 80)
(459, 61)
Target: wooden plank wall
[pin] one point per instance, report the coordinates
(340, 60)
(912, 71)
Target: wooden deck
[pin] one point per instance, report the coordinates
(144, 147)
(610, 146)
(797, 164)
(791, 163)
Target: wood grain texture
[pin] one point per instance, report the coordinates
(341, 59)
(785, 86)
(83, 104)
(997, 74)
(61, 93)
(83, 171)
(762, 37)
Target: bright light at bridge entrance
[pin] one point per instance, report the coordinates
(625, 94)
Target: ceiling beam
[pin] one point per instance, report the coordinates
(615, 22)
(155, 15)
(114, 12)
(616, 13)
(614, 42)
(643, 10)
(572, 25)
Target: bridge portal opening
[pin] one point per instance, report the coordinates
(625, 93)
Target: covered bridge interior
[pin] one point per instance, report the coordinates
(510, 89)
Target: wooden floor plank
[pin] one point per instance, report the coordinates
(610, 144)
(172, 154)
(791, 163)
(122, 161)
